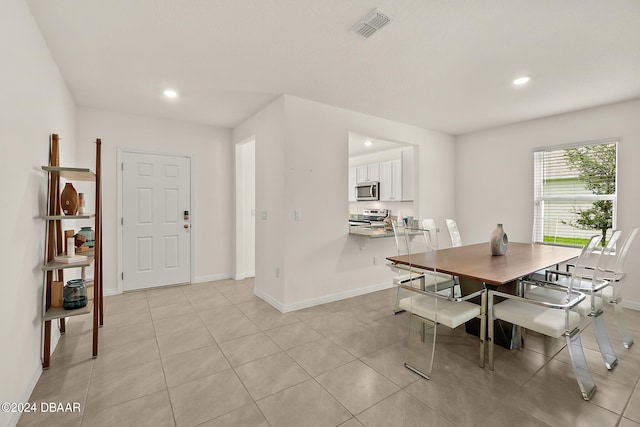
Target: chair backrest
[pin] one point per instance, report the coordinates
(402, 244)
(408, 241)
(613, 240)
(624, 251)
(584, 265)
(453, 233)
(430, 233)
(604, 258)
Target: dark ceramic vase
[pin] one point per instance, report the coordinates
(69, 200)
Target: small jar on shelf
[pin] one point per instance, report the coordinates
(75, 294)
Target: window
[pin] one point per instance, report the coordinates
(575, 192)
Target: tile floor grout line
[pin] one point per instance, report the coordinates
(86, 396)
(232, 368)
(388, 329)
(91, 378)
(628, 402)
(164, 375)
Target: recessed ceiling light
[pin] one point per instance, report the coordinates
(170, 93)
(521, 80)
(368, 143)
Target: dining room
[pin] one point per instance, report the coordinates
(308, 336)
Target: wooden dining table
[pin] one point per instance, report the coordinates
(476, 262)
(476, 268)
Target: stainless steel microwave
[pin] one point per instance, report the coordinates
(368, 191)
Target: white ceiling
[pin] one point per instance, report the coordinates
(445, 65)
(357, 145)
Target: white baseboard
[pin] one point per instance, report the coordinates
(632, 305)
(242, 276)
(110, 292)
(26, 394)
(212, 278)
(285, 308)
(269, 299)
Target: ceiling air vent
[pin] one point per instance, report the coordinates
(371, 23)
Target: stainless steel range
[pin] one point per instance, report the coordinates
(370, 217)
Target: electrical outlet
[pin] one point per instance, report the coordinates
(263, 215)
(297, 215)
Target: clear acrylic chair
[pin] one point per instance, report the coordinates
(430, 308)
(613, 271)
(421, 242)
(430, 231)
(553, 318)
(586, 279)
(453, 233)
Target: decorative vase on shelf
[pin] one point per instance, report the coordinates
(89, 235)
(69, 200)
(81, 203)
(499, 241)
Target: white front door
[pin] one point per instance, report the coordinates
(156, 226)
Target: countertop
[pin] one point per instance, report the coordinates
(365, 230)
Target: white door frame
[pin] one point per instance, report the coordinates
(240, 210)
(119, 192)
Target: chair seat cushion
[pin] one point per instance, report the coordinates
(554, 295)
(547, 321)
(449, 313)
(581, 285)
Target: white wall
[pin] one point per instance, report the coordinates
(34, 103)
(212, 187)
(302, 164)
(494, 174)
(267, 126)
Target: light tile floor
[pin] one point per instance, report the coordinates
(214, 354)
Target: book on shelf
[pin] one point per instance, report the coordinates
(67, 259)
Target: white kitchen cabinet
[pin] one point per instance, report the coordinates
(352, 184)
(391, 181)
(407, 174)
(368, 173)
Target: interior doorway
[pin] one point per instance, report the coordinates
(245, 209)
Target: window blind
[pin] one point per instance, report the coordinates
(574, 193)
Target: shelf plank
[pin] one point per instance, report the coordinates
(52, 265)
(55, 217)
(59, 312)
(75, 174)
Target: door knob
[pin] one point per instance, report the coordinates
(186, 226)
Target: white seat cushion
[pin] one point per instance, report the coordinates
(449, 313)
(578, 284)
(554, 295)
(547, 321)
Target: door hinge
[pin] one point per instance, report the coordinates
(121, 220)
(122, 166)
(122, 276)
